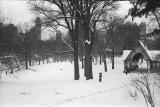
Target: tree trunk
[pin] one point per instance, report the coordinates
(100, 61)
(43, 59)
(26, 60)
(112, 57)
(105, 63)
(26, 53)
(87, 51)
(76, 63)
(39, 60)
(30, 61)
(82, 62)
(88, 62)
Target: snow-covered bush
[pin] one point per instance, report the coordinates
(11, 64)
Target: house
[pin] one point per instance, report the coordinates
(142, 59)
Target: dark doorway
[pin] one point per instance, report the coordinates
(139, 62)
(137, 56)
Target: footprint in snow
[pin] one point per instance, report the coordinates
(25, 93)
(58, 93)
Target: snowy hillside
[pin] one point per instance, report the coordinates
(52, 85)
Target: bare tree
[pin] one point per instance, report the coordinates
(73, 13)
(90, 13)
(100, 46)
(147, 8)
(146, 87)
(155, 17)
(23, 29)
(81, 51)
(60, 13)
(110, 24)
(11, 63)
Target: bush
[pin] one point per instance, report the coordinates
(11, 64)
(144, 86)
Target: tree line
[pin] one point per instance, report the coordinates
(23, 44)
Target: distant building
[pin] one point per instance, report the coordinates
(35, 31)
(6, 31)
(38, 28)
(8, 36)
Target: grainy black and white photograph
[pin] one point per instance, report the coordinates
(79, 53)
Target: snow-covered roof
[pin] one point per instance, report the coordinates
(154, 55)
(143, 45)
(125, 54)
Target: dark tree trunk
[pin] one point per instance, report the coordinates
(26, 53)
(76, 63)
(43, 59)
(48, 60)
(113, 57)
(26, 60)
(82, 63)
(30, 61)
(105, 63)
(100, 61)
(39, 60)
(88, 51)
(88, 62)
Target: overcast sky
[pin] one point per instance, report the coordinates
(19, 12)
(16, 10)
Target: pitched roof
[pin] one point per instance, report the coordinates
(125, 54)
(153, 55)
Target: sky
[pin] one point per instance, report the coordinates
(16, 10)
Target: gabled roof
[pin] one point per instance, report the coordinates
(152, 55)
(125, 54)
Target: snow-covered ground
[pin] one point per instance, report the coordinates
(52, 85)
